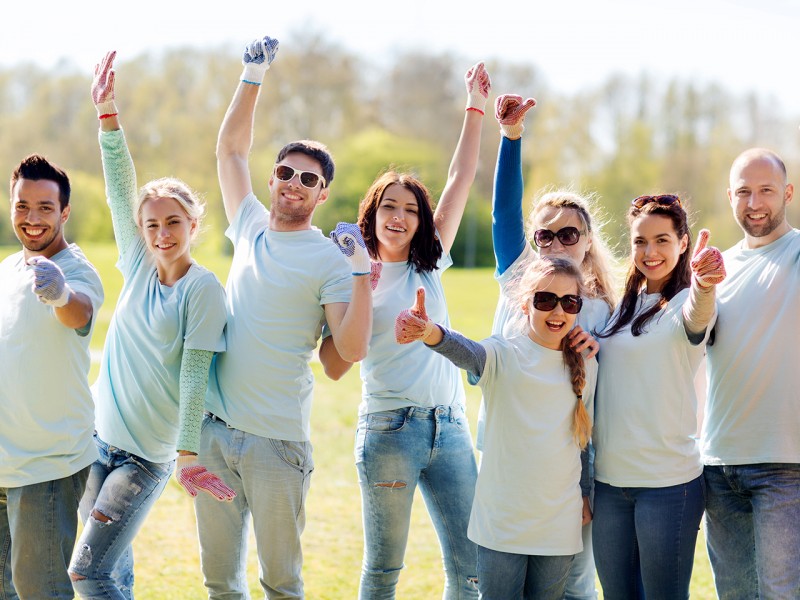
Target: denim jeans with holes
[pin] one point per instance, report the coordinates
(38, 526)
(753, 530)
(121, 490)
(395, 451)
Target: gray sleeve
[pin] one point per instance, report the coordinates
(462, 352)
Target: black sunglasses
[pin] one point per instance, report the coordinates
(307, 178)
(545, 301)
(568, 236)
(663, 200)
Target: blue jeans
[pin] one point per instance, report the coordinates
(271, 479)
(121, 490)
(395, 451)
(38, 526)
(506, 576)
(580, 582)
(644, 539)
(753, 530)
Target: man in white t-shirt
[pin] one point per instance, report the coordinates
(286, 281)
(49, 296)
(751, 432)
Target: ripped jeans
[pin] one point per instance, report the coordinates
(396, 450)
(123, 487)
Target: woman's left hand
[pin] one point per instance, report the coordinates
(586, 513)
(582, 340)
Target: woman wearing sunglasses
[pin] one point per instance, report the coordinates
(538, 391)
(561, 222)
(648, 474)
(150, 393)
(412, 430)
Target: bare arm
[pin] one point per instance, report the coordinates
(236, 132)
(333, 364)
(351, 323)
(77, 312)
(233, 148)
(464, 164)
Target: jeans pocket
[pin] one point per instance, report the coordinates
(295, 454)
(387, 421)
(156, 471)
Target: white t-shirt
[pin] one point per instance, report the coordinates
(48, 413)
(137, 392)
(528, 495)
(277, 288)
(645, 432)
(753, 407)
(399, 375)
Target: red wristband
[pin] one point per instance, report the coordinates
(476, 109)
(107, 115)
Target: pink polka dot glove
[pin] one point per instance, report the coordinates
(413, 323)
(509, 110)
(194, 476)
(103, 86)
(707, 264)
(478, 86)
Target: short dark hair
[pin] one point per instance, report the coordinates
(426, 249)
(36, 167)
(316, 150)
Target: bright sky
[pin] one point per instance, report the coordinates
(742, 44)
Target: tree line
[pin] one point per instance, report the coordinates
(626, 137)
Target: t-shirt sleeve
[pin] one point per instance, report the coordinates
(205, 315)
(250, 219)
(338, 285)
(83, 279)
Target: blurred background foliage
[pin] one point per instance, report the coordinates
(623, 138)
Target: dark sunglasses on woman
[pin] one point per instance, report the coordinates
(568, 236)
(662, 200)
(545, 301)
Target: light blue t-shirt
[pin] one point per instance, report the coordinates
(753, 406)
(399, 375)
(528, 495)
(277, 288)
(137, 392)
(48, 413)
(507, 322)
(645, 432)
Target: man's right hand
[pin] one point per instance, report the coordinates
(258, 56)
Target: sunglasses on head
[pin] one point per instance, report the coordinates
(307, 178)
(568, 236)
(546, 301)
(663, 200)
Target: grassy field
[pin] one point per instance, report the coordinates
(167, 558)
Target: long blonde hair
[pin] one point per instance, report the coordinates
(598, 264)
(529, 278)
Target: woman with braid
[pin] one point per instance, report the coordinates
(649, 487)
(150, 393)
(538, 389)
(561, 222)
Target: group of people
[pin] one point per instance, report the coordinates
(590, 458)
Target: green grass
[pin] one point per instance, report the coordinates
(167, 555)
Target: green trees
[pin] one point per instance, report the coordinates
(625, 137)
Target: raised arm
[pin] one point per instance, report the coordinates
(236, 133)
(708, 269)
(508, 229)
(118, 169)
(464, 164)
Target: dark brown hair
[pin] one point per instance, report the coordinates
(36, 168)
(426, 250)
(679, 279)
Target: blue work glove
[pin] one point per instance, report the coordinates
(48, 282)
(348, 237)
(257, 57)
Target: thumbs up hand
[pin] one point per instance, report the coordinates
(413, 323)
(707, 265)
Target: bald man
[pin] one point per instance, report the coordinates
(751, 434)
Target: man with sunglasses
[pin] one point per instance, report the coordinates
(751, 432)
(286, 280)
